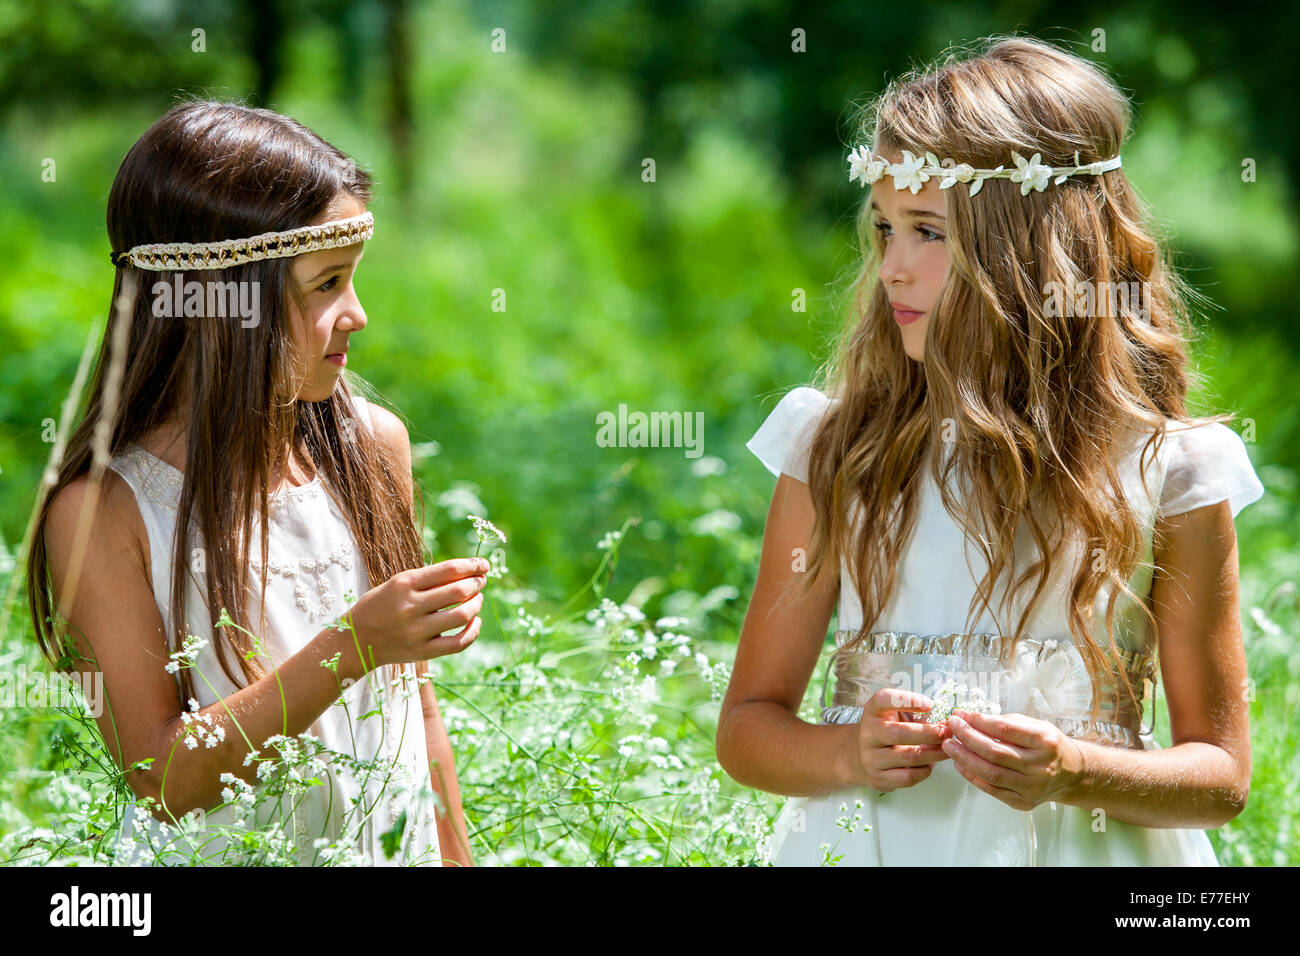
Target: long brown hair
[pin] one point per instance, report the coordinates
(1024, 407)
(209, 171)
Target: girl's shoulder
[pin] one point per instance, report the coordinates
(781, 442)
(1206, 462)
(1203, 462)
(365, 411)
(115, 521)
(385, 425)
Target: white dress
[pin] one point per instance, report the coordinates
(314, 562)
(945, 820)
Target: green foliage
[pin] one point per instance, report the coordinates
(583, 738)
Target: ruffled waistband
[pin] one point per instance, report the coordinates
(1046, 679)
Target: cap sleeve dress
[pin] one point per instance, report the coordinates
(919, 640)
(314, 562)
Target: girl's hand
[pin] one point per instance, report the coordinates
(1022, 761)
(404, 618)
(890, 752)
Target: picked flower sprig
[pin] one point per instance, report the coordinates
(950, 696)
(485, 530)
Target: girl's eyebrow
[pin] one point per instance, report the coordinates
(334, 268)
(916, 213)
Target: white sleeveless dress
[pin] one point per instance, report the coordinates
(918, 641)
(314, 562)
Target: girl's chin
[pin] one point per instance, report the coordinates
(317, 394)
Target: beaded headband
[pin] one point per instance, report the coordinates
(164, 256)
(914, 171)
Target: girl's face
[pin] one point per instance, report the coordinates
(324, 280)
(915, 262)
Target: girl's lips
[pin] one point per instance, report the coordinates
(338, 358)
(906, 318)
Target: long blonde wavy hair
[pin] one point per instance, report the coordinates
(1035, 403)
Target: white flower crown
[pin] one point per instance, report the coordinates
(914, 171)
(164, 256)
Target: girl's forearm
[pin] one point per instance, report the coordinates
(762, 745)
(1190, 786)
(452, 834)
(183, 779)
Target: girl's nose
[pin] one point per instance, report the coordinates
(356, 315)
(892, 267)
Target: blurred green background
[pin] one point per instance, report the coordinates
(521, 169)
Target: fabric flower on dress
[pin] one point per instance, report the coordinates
(1050, 684)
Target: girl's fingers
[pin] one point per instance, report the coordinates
(450, 595)
(1003, 728)
(891, 699)
(446, 644)
(918, 756)
(989, 748)
(445, 572)
(450, 619)
(970, 761)
(897, 778)
(891, 733)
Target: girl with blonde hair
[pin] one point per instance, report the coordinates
(1000, 482)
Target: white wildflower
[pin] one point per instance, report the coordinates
(485, 530)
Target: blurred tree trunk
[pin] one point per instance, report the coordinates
(265, 32)
(397, 34)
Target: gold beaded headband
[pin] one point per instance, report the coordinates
(165, 256)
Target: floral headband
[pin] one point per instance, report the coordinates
(915, 171)
(164, 256)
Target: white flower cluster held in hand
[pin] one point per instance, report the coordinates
(485, 530)
(915, 171)
(951, 695)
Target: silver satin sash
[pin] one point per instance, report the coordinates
(1046, 679)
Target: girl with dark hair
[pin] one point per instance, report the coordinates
(221, 393)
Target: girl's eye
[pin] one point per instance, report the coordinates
(328, 285)
(928, 234)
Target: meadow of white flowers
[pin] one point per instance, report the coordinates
(581, 739)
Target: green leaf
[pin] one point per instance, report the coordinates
(392, 839)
